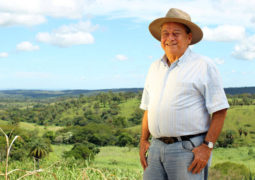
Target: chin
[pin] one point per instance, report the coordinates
(171, 50)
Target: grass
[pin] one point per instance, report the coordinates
(115, 163)
(238, 155)
(128, 107)
(134, 129)
(241, 117)
(32, 126)
(123, 162)
(118, 157)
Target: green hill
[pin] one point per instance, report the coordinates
(22, 93)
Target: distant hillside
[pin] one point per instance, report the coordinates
(240, 90)
(58, 93)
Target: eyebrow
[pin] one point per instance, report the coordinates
(173, 30)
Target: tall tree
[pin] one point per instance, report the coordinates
(39, 149)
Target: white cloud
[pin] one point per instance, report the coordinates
(245, 50)
(10, 19)
(204, 12)
(121, 57)
(218, 61)
(54, 8)
(26, 46)
(68, 35)
(3, 55)
(224, 33)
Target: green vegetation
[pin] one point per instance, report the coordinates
(39, 148)
(123, 162)
(97, 136)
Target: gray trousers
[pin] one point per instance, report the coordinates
(171, 161)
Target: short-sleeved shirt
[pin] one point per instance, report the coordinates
(180, 98)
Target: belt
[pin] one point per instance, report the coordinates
(171, 140)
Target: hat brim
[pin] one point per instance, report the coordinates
(154, 27)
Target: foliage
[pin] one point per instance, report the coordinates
(49, 135)
(233, 170)
(40, 148)
(124, 139)
(105, 119)
(99, 108)
(136, 117)
(226, 138)
(85, 150)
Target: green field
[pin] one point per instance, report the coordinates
(127, 108)
(123, 162)
(30, 127)
(116, 163)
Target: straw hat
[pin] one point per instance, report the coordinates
(179, 16)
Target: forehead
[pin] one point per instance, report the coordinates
(173, 26)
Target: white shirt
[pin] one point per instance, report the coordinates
(180, 98)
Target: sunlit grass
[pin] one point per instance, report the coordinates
(128, 107)
(32, 126)
(237, 155)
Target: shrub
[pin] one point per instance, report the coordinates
(226, 138)
(250, 152)
(124, 139)
(232, 170)
(85, 150)
(136, 117)
(50, 135)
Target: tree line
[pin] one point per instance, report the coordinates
(88, 122)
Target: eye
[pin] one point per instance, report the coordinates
(165, 34)
(176, 34)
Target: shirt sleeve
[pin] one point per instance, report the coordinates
(214, 94)
(146, 96)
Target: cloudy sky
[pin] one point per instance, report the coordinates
(96, 44)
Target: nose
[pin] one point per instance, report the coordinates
(171, 37)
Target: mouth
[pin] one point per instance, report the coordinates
(170, 44)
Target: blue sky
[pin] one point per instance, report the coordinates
(101, 44)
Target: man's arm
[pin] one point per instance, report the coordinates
(144, 143)
(202, 153)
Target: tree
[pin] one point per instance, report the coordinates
(50, 135)
(39, 149)
(120, 121)
(83, 150)
(226, 138)
(136, 117)
(124, 139)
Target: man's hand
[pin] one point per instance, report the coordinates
(201, 156)
(144, 146)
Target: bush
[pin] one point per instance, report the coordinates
(50, 135)
(85, 150)
(250, 152)
(124, 139)
(226, 138)
(136, 117)
(232, 170)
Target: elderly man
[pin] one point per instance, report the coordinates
(184, 102)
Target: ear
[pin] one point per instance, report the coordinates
(190, 37)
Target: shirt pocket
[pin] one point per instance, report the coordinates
(186, 88)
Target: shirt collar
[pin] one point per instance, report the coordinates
(184, 57)
(179, 61)
(164, 60)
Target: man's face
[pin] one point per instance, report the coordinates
(174, 38)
